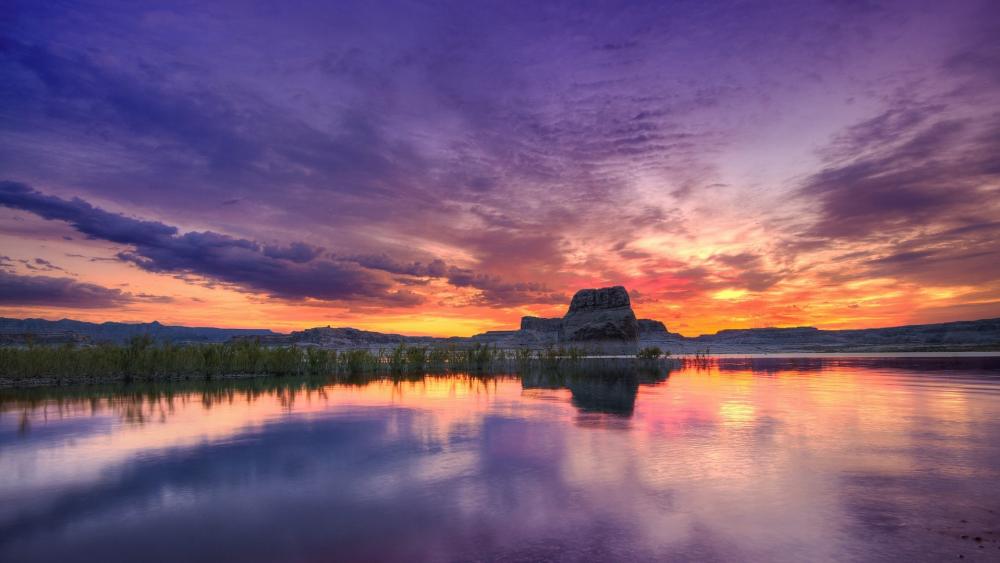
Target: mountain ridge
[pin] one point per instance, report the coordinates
(979, 334)
(43, 331)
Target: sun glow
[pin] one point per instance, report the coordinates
(730, 294)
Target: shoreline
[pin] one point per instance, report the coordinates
(941, 354)
(52, 381)
(86, 380)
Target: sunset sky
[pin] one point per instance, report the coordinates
(447, 167)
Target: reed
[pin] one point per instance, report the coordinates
(651, 353)
(144, 359)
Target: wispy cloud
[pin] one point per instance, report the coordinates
(489, 159)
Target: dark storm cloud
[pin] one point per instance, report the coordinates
(87, 219)
(46, 291)
(434, 269)
(291, 272)
(917, 189)
(941, 172)
(298, 252)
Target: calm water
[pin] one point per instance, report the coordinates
(734, 460)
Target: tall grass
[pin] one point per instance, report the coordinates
(651, 353)
(144, 359)
(141, 358)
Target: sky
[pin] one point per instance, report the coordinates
(445, 168)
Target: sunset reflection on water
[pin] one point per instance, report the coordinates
(720, 460)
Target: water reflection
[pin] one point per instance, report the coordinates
(984, 365)
(595, 391)
(770, 462)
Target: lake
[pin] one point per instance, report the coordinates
(765, 459)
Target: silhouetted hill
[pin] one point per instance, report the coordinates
(954, 336)
(21, 331)
(979, 335)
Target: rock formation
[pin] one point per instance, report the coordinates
(540, 324)
(601, 320)
(655, 333)
(649, 326)
(598, 320)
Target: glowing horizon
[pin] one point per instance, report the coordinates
(445, 170)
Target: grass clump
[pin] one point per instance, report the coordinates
(142, 358)
(145, 359)
(651, 353)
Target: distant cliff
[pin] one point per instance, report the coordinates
(597, 320)
(981, 335)
(41, 331)
(347, 338)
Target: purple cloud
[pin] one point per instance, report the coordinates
(508, 148)
(920, 189)
(291, 272)
(47, 291)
